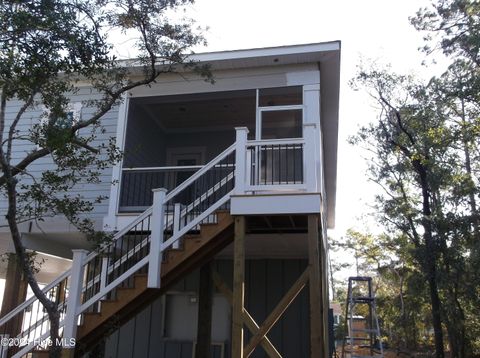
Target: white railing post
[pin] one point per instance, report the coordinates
(240, 159)
(310, 156)
(103, 273)
(156, 238)
(176, 223)
(74, 296)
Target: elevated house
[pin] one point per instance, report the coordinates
(220, 209)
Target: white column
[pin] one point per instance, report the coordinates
(156, 238)
(240, 160)
(310, 156)
(74, 295)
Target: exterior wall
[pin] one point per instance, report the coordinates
(266, 282)
(89, 191)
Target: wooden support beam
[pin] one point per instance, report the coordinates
(238, 287)
(247, 319)
(277, 312)
(205, 303)
(325, 297)
(14, 294)
(317, 334)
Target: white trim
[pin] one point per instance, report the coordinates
(288, 203)
(109, 222)
(275, 187)
(268, 51)
(180, 167)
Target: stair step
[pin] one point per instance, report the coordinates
(173, 253)
(222, 214)
(196, 249)
(358, 338)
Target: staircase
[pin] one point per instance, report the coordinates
(196, 250)
(182, 230)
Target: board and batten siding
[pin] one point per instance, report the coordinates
(267, 280)
(88, 191)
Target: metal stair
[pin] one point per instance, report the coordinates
(361, 321)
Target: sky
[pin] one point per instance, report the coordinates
(368, 29)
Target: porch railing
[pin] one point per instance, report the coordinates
(137, 183)
(139, 247)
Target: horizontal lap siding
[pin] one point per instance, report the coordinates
(21, 149)
(266, 282)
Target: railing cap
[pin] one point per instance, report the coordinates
(80, 251)
(242, 129)
(159, 190)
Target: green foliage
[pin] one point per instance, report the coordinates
(426, 158)
(47, 48)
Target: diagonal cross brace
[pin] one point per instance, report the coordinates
(247, 318)
(277, 312)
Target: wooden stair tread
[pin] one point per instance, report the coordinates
(129, 300)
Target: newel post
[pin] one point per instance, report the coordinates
(240, 159)
(156, 238)
(74, 296)
(310, 156)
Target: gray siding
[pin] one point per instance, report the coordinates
(88, 191)
(266, 282)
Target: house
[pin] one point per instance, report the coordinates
(220, 209)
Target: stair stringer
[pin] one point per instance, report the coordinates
(130, 301)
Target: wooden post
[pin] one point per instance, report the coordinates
(156, 238)
(317, 334)
(240, 159)
(205, 303)
(14, 294)
(238, 287)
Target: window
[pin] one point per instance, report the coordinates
(73, 116)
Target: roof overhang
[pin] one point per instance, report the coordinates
(327, 56)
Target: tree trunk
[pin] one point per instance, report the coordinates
(50, 306)
(430, 260)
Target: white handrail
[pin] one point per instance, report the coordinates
(120, 233)
(135, 222)
(197, 220)
(280, 141)
(161, 169)
(198, 174)
(32, 299)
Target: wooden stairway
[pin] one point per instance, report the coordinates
(196, 250)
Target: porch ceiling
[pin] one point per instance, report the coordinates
(203, 111)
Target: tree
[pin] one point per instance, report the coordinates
(46, 48)
(418, 146)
